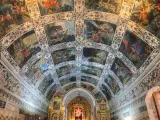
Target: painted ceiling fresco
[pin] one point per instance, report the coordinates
(94, 55)
(112, 6)
(99, 32)
(67, 80)
(24, 48)
(12, 14)
(60, 32)
(55, 6)
(45, 83)
(63, 44)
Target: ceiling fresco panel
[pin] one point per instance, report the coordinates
(135, 49)
(98, 31)
(67, 80)
(51, 92)
(48, 80)
(12, 14)
(9, 81)
(106, 92)
(87, 86)
(111, 82)
(60, 32)
(37, 69)
(99, 97)
(89, 80)
(24, 48)
(146, 14)
(121, 70)
(64, 55)
(112, 6)
(70, 86)
(94, 55)
(55, 6)
(91, 70)
(69, 69)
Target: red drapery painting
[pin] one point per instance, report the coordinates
(78, 113)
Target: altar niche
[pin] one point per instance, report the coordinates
(79, 109)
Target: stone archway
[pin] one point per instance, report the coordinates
(153, 115)
(83, 93)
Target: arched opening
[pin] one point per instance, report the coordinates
(153, 103)
(79, 92)
(79, 109)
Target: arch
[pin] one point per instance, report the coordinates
(80, 92)
(150, 103)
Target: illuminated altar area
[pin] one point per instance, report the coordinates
(79, 109)
(78, 104)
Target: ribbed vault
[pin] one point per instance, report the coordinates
(103, 46)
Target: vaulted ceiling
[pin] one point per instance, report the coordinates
(100, 45)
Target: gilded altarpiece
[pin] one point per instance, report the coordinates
(56, 109)
(79, 109)
(102, 111)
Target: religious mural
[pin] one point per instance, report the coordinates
(89, 80)
(64, 55)
(94, 55)
(106, 92)
(91, 70)
(51, 92)
(67, 80)
(135, 49)
(35, 71)
(55, 6)
(99, 97)
(121, 70)
(70, 86)
(87, 86)
(8, 81)
(60, 32)
(69, 69)
(48, 80)
(24, 48)
(112, 6)
(147, 14)
(112, 83)
(12, 14)
(98, 31)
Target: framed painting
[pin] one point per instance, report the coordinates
(121, 70)
(89, 80)
(64, 55)
(135, 49)
(111, 82)
(91, 70)
(94, 55)
(69, 69)
(12, 14)
(60, 32)
(67, 81)
(99, 31)
(55, 6)
(146, 14)
(112, 6)
(24, 48)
